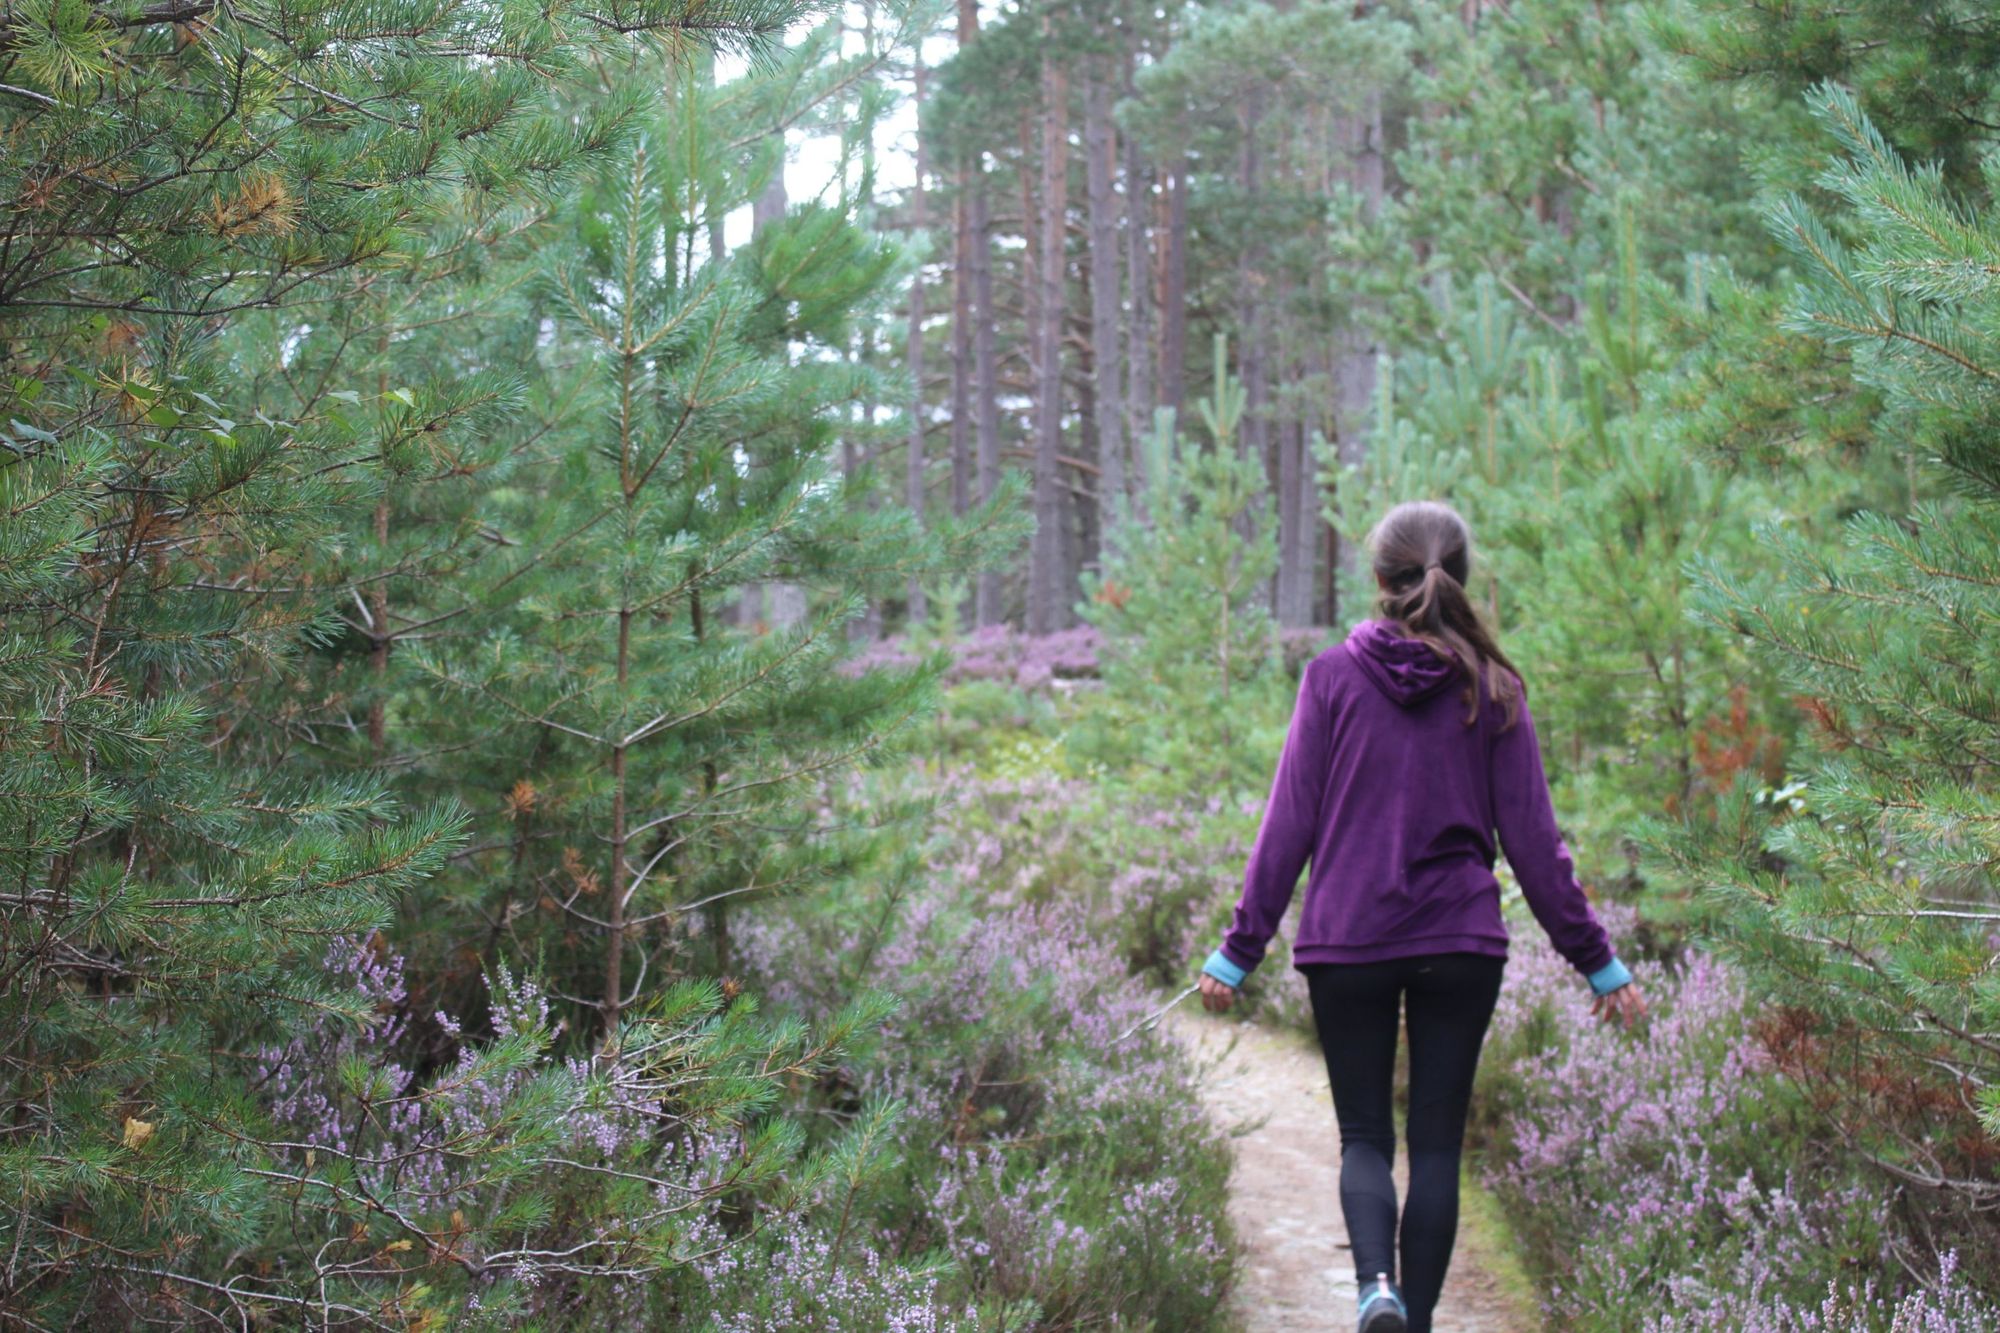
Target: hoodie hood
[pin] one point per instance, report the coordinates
(1408, 671)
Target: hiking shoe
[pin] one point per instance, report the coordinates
(1382, 1309)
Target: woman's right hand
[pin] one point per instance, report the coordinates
(1215, 996)
(1625, 1005)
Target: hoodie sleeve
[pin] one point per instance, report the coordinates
(1285, 839)
(1526, 821)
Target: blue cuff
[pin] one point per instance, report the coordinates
(1610, 977)
(1224, 971)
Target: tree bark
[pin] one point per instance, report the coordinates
(973, 337)
(1251, 331)
(961, 300)
(1306, 526)
(1284, 596)
(1354, 369)
(378, 654)
(913, 471)
(621, 870)
(961, 346)
(1048, 603)
(754, 605)
(1297, 512)
(769, 206)
(868, 627)
(961, 326)
(1084, 532)
(378, 596)
(718, 242)
(1173, 289)
(986, 366)
(1139, 325)
(1106, 348)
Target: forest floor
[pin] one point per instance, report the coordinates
(1267, 1088)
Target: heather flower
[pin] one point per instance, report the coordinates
(1050, 1162)
(1660, 1162)
(995, 653)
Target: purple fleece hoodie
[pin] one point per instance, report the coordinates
(1396, 803)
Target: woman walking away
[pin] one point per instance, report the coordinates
(1410, 749)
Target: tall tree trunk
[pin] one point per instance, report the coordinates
(1317, 537)
(1251, 333)
(756, 603)
(963, 480)
(1354, 369)
(378, 654)
(986, 367)
(1329, 600)
(1284, 437)
(378, 595)
(868, 628)
(1139, 324)
(1106, 348)
(1084, 533)
(961, 342)
(718, 243)
(1028, 287)
(770, 206)
(913, 472)
(1048, 601)
(621, 866)
(717, 912)
(614, 931)
(1173, 288)
(1297, 512)
(1253, 437)
(1302, 161)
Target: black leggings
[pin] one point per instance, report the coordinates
(1356, 1007)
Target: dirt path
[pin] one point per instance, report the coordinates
(1270, 1093)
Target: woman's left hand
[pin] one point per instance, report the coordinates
(1625, 1006)
(1215, 996)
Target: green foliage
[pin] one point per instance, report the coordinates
(1861, 896)
(1563, 450)
(296, 396)
(1190, 657)
(166, 909)
(1319, 58)
(1059, 1160)
(1527, 134)
(1558, 411)
(517, 1181)
(607, 683)
(1927, 71)
(239, 161)
(416, 525)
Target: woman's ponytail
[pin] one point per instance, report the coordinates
(1423, 556)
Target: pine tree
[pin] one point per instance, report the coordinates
(664, 753)
(1860, 895)
(1926, 71)
(1190, 657)
(1263, 102)
(1567, 451)
(174, 925)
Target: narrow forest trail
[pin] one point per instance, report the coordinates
(1270, 1093)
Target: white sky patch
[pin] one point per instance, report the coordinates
(812, 161)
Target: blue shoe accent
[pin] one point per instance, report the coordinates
(1382, 1308)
